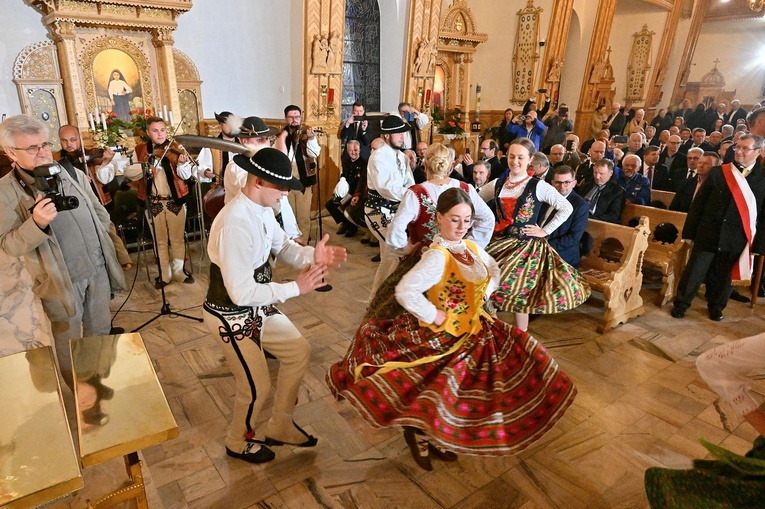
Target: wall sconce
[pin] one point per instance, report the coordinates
(327, 98)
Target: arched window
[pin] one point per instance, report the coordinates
(361, 64)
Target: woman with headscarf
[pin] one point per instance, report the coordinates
(119, 95)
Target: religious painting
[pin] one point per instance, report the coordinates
(117, 83)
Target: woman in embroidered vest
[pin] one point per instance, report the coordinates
(535, 279)
(456, 379)
(414, 225)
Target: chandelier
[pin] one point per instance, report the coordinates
(756, 5)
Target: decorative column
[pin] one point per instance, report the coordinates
(690, 48)
(555, 51)
(660, 68)
(596, 63)
(421, 53)
(63, 35)
(162, 39)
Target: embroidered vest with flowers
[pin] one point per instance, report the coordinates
(462, 301)
(512, 214)
(424, 226)
(178, 186)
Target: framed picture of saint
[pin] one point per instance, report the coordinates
(117, 83)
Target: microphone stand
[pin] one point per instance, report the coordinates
(325, 287)
(165, 309)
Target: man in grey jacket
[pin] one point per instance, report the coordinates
(68, 253)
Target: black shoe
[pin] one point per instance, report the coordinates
(419, 447)
(677, 313)
(310, 440)
(442, 454)
(343, 228)
(262, 455)
(739, 298)
(189, 280)
(715, 315)
(117, 330)
(351, 231)
(376, 258)
(159, 284)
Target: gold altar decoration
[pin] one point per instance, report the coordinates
(189, 92)
(640, 64)
(710, 89)
(526, 54)
(40, 87)
(458, 41)
(137, 33)
(422, 54)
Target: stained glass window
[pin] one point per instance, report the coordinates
(361, 64)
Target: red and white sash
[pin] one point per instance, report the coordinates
(747, 209)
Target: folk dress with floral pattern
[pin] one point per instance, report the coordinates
(534, 278)
(473, 384)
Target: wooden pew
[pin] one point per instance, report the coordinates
(667, 259)
(665, 197)
(618, 280)
(121, 408)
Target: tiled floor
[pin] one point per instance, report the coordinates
(640, 404)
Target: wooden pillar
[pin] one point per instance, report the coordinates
(690, 48)
(64, 36)
(162, 39)
(601, 32)
(555, 51)
(660, 68)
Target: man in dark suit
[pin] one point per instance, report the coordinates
(604, 197)
(634, 145)
(565, 239)
(699, 137)
(715, 225)
(353, 167)
(736, 113)
(616, 120)
(540, 165)
(357, 128)
(684, 110)
(680, 174)
(655, 172)
(584, 170)
(675, 161)
(489, 156)
(688, 189)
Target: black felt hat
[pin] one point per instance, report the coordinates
(393, 124)
(222, 116)
(254, 127)
(271, 165)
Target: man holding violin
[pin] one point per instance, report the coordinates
(300, 144)
(165, 186)
(100, 162)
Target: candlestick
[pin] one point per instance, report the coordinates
(477, 102)
(427, 96)
(331, 96)
(103, 120)
(92, 124)
(172, 121)
(164, 111)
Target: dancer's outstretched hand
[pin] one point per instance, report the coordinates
(310, 278)
(332, 256)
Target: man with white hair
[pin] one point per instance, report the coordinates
(736, 112)
(634, 145)
(637, 188)
(66, 250)
(616, 120)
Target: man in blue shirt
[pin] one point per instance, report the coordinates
(637, 187)
(528, 126)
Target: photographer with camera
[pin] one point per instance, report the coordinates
(528, 126)
(558, 126)
(58, 226)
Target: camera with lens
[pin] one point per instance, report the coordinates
(522, 118)
(49, 183)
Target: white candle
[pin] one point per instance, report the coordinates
(164, 111)
(92, 124)
(103, 120)
(172, 122)
(97, 115)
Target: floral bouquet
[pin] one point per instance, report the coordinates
(139, 123)
(114, 132)
(452, 122)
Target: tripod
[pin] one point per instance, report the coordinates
(165, 309)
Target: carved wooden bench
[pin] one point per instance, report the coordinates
(665, 256)
(620, 279)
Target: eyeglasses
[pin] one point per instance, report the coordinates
(34, 149)
(562, 182)
(746, 149)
